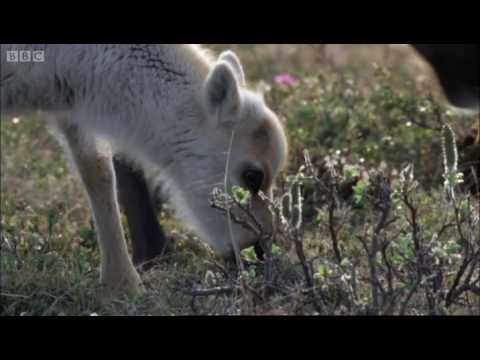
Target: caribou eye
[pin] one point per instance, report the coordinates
(253, 179)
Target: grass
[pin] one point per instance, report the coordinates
(371, 239)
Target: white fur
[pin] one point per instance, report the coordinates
(169, 107)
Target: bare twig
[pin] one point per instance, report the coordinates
(208, 292)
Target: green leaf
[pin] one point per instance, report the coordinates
(241, 195)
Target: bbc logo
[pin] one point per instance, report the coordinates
(25, 56)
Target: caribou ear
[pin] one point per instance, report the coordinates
(230, 57)
(222, 91)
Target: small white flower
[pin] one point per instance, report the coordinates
(15, 120)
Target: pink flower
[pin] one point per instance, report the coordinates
(285, 79)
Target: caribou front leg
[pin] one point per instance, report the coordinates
(95, 167)
(148, 239)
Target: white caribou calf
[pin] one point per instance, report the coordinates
(168, 107)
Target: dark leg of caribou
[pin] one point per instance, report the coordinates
(259, 251)
(148, 238)
(457, 67)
